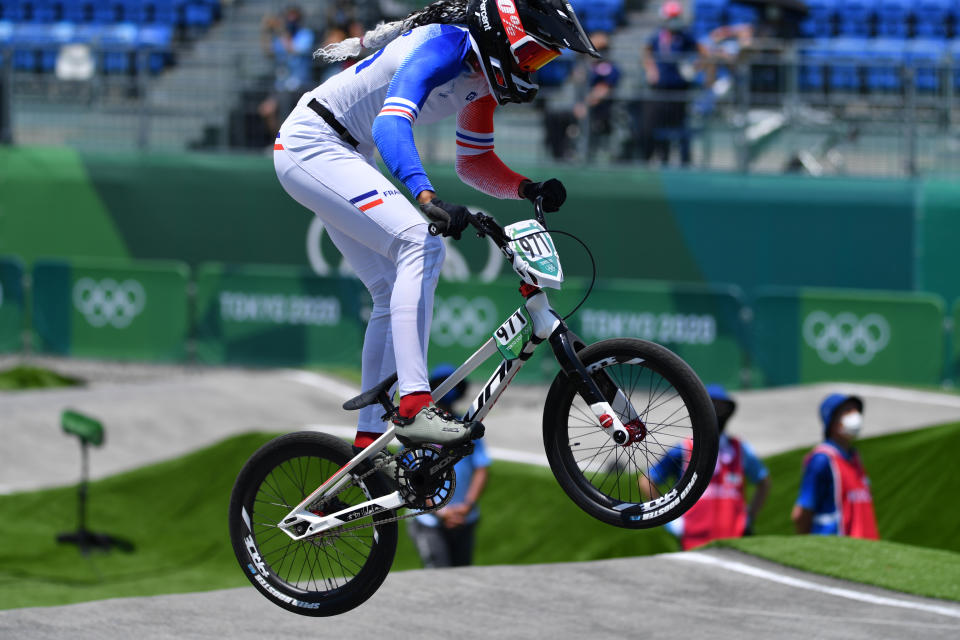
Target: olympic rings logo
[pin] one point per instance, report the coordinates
(459, 321)
(846, 337)
(108, 301)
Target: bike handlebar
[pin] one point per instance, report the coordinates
(487, 226)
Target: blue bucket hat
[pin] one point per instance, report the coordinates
(440, 373)
(723, 403)
(830, 405)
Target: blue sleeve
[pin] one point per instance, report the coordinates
(652, 41)
(671, 465)
(816, 487)
(753, 467)
(436, 61)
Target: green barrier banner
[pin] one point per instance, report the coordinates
(823, 335)
(125, 311)
(11, 305)
(700, 324)
(280, 316)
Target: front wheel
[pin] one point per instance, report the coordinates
(668, 461)
(326, 574)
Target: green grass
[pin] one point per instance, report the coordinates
(24, 377)
(924, 572)
(176, 515)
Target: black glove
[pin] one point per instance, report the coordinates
(552, 191)
(449, 219)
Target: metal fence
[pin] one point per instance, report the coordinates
(774, 113)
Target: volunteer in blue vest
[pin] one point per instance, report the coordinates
(722, 511)
(835, 494)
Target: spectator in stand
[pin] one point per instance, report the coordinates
(835, 494)
(445, 538)
(557, 98)
(669, 62)
(596, 109)
(285, 39)
(722, 511)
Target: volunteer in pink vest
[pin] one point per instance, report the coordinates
(722, 511)
(835, 494)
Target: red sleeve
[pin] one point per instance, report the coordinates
(477, 164)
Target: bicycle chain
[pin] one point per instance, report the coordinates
(377, 467)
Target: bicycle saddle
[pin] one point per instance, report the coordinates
(373, 396)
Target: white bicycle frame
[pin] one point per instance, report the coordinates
(545, 322)
(526, 247)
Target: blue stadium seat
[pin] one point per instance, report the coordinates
(813, 59)
(820, 20)
(893, 18)
(847, 55)
(954, 52)
(708, 15)
(738, 13)
(28, 40)
(925, 56)
(932, 17)
(43, 11)
(157, 40)
(61, 33)
(883, 72)
(164, 12)
(598, 15)
(855, 18)
(119, 42)
(78, 11)
(6, 31)
(199, 14)
(107, 11)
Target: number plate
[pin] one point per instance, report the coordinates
(513, 335)
(534, 247)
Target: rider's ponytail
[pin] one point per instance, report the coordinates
(440, 12)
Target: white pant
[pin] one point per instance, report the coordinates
(381, 236)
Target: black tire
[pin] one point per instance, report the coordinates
(604, 478)
(330, 573)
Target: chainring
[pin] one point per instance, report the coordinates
(425, 476)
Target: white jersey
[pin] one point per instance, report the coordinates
(357, 95)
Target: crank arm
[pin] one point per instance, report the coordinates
(302, 524)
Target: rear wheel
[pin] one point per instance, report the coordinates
(320, 576)
(669, 460)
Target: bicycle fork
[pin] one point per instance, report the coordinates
(548, 323)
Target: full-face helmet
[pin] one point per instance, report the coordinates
(514, 38)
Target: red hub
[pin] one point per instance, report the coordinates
(637, 430)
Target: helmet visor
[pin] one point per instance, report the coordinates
(530, 55)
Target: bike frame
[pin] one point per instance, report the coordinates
(606, 404)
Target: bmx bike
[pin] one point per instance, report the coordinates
(314, 524)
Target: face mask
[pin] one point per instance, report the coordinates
(852, 423)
